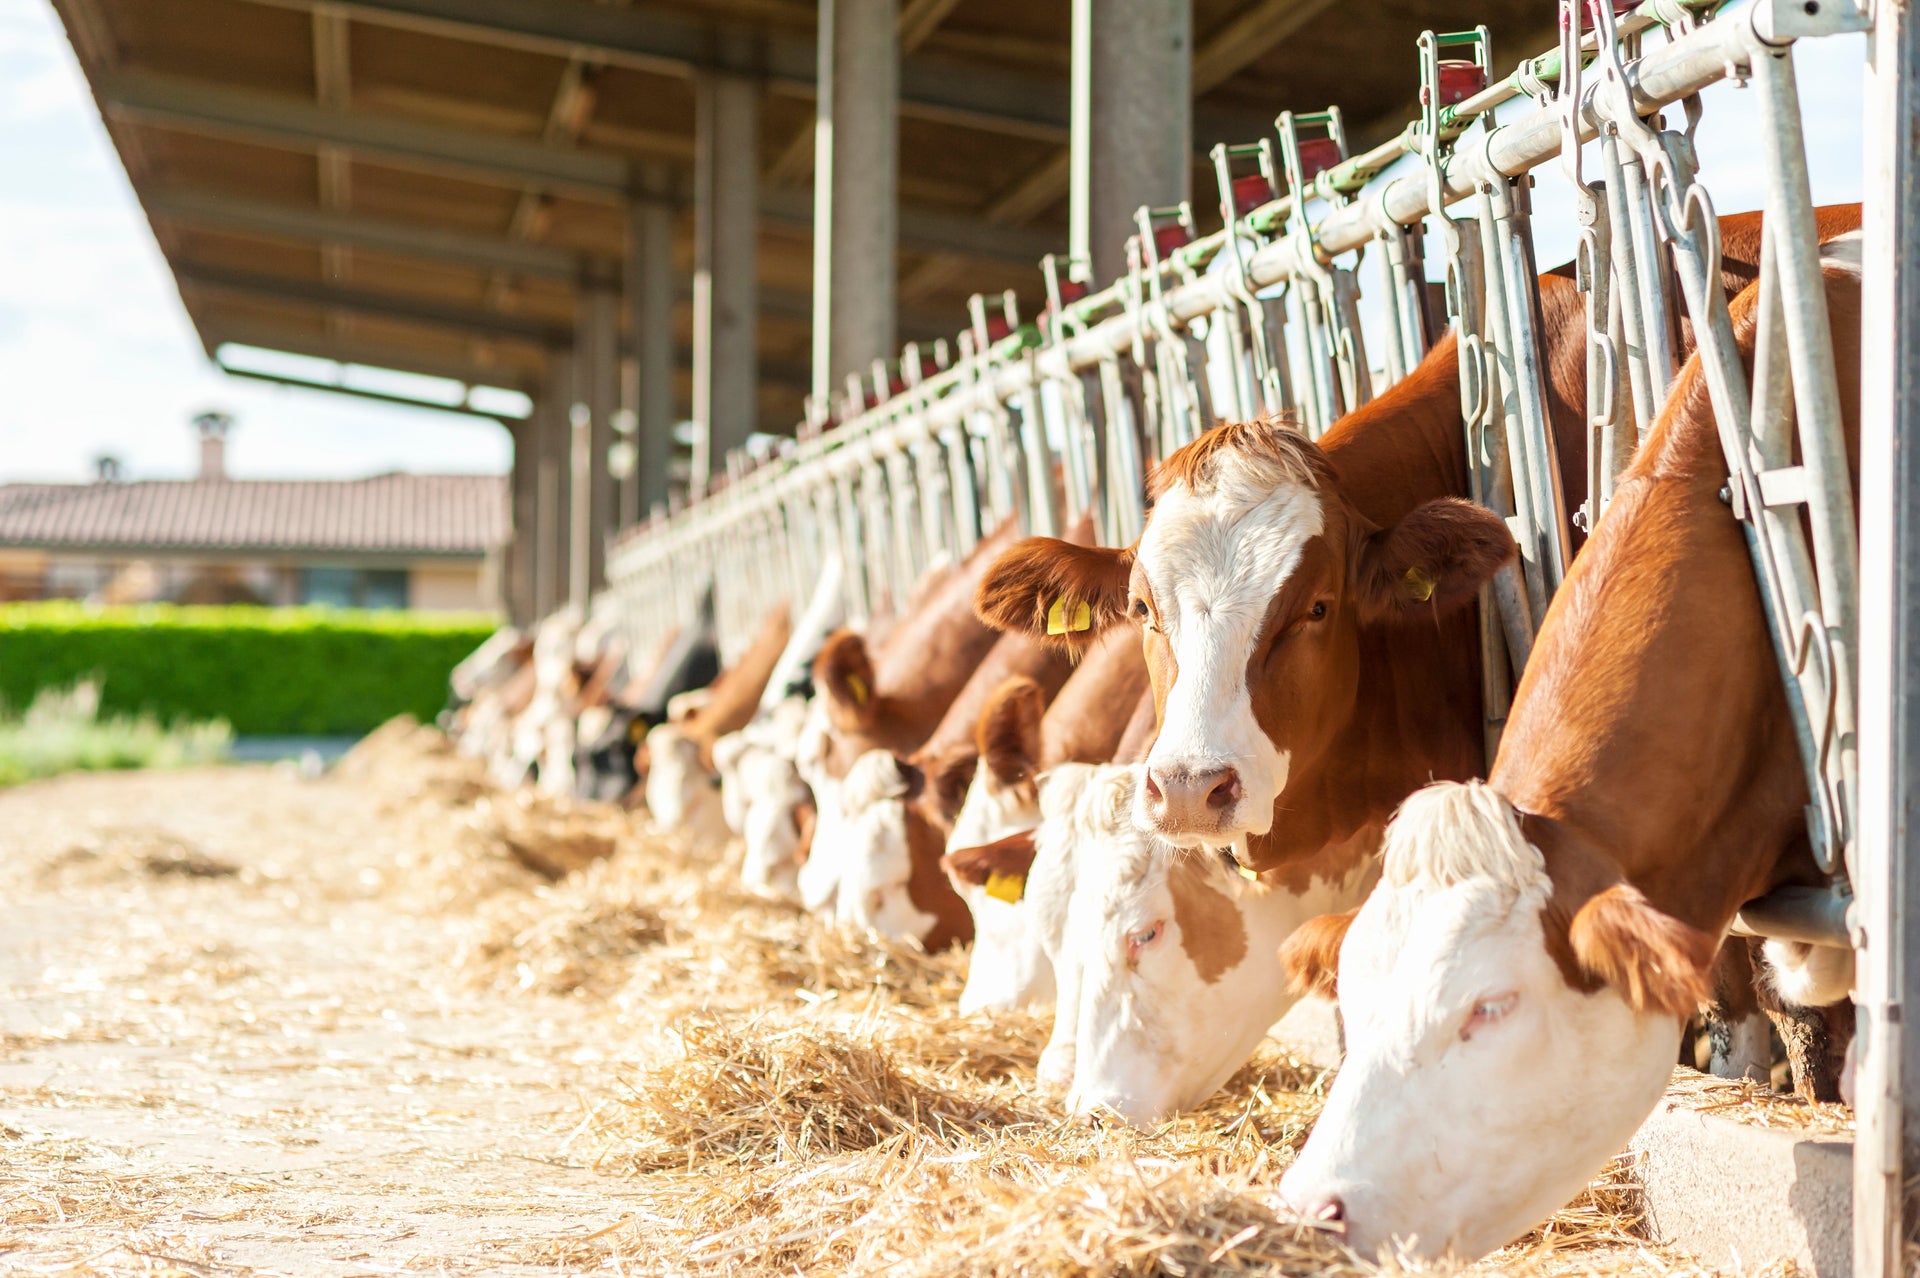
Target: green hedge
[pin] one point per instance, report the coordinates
(263, 670)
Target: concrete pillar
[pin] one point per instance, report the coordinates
(523, 552)
(1132, 121)
(726, 179)
(856, 189)
(650, 299)
(596, 395)
(553, 517)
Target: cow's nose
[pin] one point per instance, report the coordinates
(1191, 798)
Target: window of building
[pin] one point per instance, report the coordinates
(354, 587)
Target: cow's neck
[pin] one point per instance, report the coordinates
(1417, 719)
(1408, 446)
(1650, 733)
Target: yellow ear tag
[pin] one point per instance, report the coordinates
(1006, 887)
(858, 686)
(1059, 623)
(1251, 876)
(637, 731)
(1419, 585)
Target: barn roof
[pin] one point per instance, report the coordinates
(423, 184)
(395, 514)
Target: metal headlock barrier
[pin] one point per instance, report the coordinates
(1262, 316)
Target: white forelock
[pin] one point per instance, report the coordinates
(1454, 832)
(874, 778)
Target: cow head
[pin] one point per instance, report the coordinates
(1003, 796)
(1486, 1001)
(681, 793)
(894, 819)
(1253, 586)
(1169, 961)
(1008, 966)
(778, 812)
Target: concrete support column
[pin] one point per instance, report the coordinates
(650, 300)
(523, 552)
(596, 394)
(1132, 121)
(856, 190)
(726, 179)
(553, 518)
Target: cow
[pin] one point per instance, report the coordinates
(888, 699)
(682, 791)
(611, 764)
(1537, 941)
(896, 813)
(1020, 739)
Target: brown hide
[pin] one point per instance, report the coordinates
(926, 660)
(1649, 746)
(737, 690)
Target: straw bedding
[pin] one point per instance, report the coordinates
(804, 1100)
(467, 1065)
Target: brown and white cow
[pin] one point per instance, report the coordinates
(682, 791)
(1020, 739)
(896, 812)
(1536, 942)
(889, 701)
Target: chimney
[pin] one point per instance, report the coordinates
(213, 428)
(106, 469)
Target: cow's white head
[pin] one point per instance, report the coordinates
(1507, 1030)
(1173, 953)
(1252, 586)
(877, 856)
(1008, 966)
(778, 807)
(681, 793)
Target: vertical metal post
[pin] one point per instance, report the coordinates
(726, 177)
(1132, 124)
(1886, 872)
(596, 394)
(523, 551)
(556, 482)
(855, 208)
(650, 297)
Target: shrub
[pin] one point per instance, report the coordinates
(62, 731)
(264, 671)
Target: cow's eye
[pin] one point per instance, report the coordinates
(1489, 1011)
(1140, 609)
(1141, 937)
(1319, 610)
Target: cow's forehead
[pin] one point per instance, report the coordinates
(1229, 547)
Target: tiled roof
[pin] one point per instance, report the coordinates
(385, 514)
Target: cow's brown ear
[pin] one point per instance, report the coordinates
(1651, 959)
(1008, 733)
(843, 674)
(1055, 590)
(1008, 858)
(1311, 956)
(1434, 560)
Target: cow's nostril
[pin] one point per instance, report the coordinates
(1331, 1210)
(1153, 788)
(1226, 791)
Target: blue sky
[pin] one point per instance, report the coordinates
(97, 356)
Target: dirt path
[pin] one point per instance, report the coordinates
(229, 1044)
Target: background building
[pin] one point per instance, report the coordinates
(428, 542)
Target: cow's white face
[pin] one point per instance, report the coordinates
(992, 811)
(875, 860)
(681, 794)
(1179, 974)
(1008, 966)
(771, 827)
(1208, 566)
(1480, 1092)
